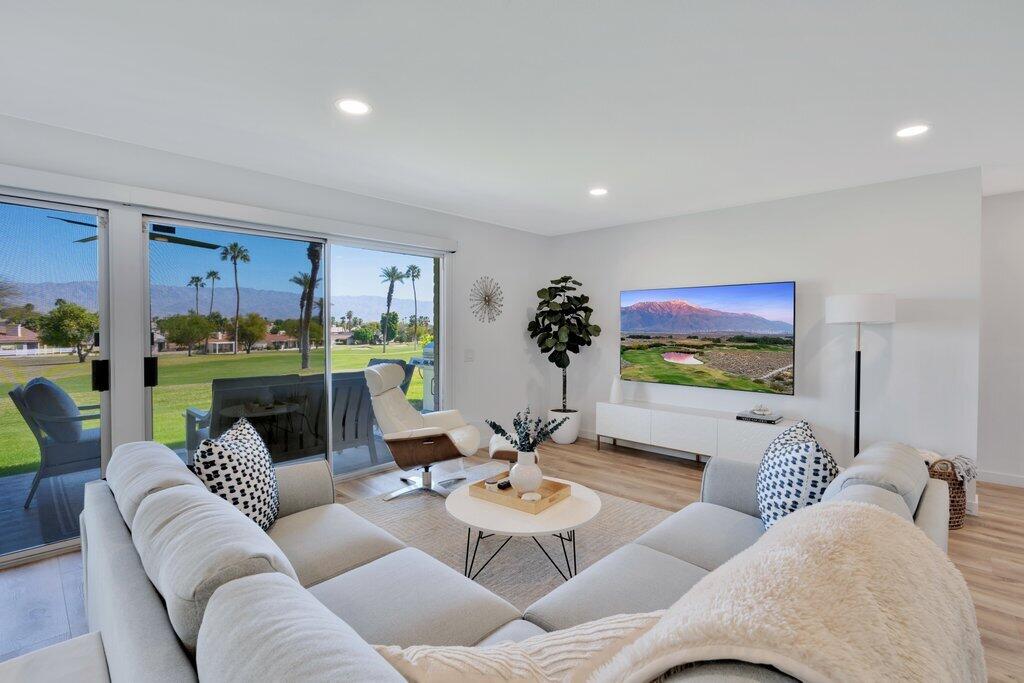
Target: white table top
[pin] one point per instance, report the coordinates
(578, 509)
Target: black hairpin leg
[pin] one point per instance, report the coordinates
(470, 561)
(569, 537)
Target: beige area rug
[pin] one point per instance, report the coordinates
(520, 573)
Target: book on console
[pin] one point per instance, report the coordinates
(771, 418)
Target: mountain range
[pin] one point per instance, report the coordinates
(167, 300)
(681, 317)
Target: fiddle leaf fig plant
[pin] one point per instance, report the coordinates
(562, 324)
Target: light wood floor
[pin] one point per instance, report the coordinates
(989, 550)
(42, 602)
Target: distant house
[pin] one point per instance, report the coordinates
(342, 337)
(278, 341)
(14, 337)
(219, 343)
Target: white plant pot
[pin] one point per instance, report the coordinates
(568, 432)
(525, 475)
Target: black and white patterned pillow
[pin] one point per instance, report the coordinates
(794, 473)
(238, 468)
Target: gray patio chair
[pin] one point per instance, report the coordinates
(409, 369)
(226, 392)
(352, 413)
(56, 422)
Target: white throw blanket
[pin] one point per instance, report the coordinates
(834, 592)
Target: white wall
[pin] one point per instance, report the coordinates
(505, 376)
(918, 238)
(1001, 429)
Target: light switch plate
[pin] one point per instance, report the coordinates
(469, 355)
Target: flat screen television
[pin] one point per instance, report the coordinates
(738, 337)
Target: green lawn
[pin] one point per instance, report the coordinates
(647, 365)
(184, 382)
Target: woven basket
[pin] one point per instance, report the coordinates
(944, 470)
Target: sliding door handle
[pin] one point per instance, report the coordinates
(101, 375)
(150, 377)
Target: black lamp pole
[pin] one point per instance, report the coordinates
(856, 399)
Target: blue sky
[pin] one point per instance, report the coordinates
(37, 248)
(773, 301)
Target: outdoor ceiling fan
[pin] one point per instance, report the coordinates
(159, 233)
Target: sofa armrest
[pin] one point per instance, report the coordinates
(932, 515)
(445, 420)
(303, 486)
(731, 484)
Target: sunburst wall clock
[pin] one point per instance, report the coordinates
(485, 299)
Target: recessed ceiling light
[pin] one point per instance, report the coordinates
(598, 191)
(913, 131)
(354, 107)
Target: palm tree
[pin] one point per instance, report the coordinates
(235, 252)
(309, 282)
(348, 319)
(390, 275)
(197, 282)
(212, 276)
(413, 273)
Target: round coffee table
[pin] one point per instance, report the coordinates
(491, 519)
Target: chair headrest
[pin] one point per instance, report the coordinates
(381, 378)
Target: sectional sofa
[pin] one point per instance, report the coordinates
(181, 586)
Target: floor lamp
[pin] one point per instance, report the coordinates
(859, 309)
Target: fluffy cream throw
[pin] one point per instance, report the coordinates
(834, 592)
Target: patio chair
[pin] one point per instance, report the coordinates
(56, 422)
(352, 413)
(226, 392)
(408, 369)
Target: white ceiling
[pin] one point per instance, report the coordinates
(508, 110)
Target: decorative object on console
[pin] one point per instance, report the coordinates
(755, 415)
(859, 309)
(794, 473)
(562, 326)
(486, 299)
(238, 468)
(615, 396)
(526, 475)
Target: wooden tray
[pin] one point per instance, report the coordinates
(551, 492)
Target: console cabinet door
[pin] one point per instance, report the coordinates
(682, 432)
(624, 422)
(746, 441)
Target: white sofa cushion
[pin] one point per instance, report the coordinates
(191, 542)
(140, 468)
(409, 598)
(704, 534)
(268, 628)
(634, 578)
(328, 540)
(889, 465)
(80, 660)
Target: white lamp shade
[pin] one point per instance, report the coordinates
(860, 308)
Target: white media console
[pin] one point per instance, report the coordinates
(693, 430)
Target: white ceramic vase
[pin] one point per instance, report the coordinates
(525, 475)
(568, 432)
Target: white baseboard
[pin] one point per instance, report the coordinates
(1001, 478)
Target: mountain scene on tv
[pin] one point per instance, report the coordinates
(736, 337)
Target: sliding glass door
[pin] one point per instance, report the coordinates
(385, 308)
(237, 330)
(52, 333)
